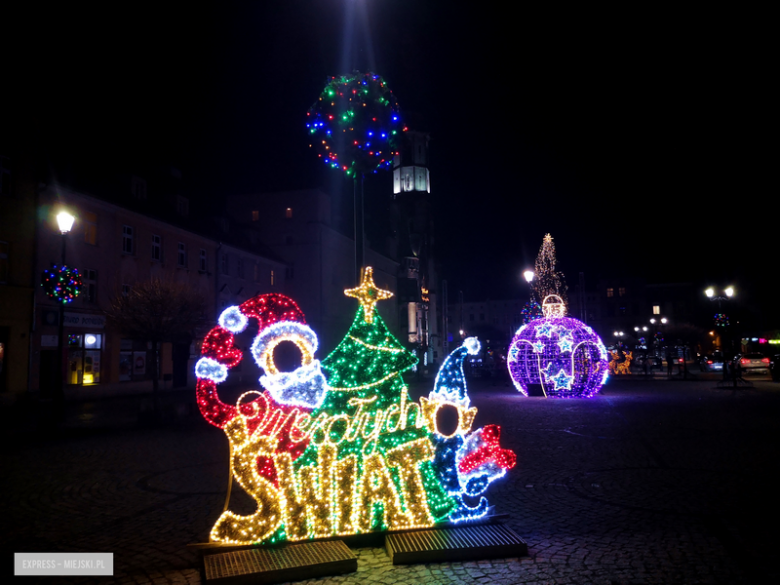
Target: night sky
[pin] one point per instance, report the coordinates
(639, 139)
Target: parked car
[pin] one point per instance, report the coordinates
(774, 367)
(752, 363)
(711, 363)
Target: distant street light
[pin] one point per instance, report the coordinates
(529, 276)
(727, 294)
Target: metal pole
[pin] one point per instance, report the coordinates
(59, 390)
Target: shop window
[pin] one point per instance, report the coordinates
(656, 309)
(84, 353)
(202, 265)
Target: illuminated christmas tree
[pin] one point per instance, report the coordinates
(547, 281)
(381, 440)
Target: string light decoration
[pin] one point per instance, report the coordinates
(721, 320)
(356, 456)
(462, 475)
(63, 284)
(530, 312)
(355, 124)
(562, 355)
(547, 280)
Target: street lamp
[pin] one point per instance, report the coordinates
(727, 294)
(529, 276)
(619, 335)
(65, 223)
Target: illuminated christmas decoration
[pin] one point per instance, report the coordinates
(355, 124)
(351, 455)
(531, 311)
(368, 294)
(61, 284)
(721, 320)
(463, 473)
(620, 367)
(547, 281)
(560, 354)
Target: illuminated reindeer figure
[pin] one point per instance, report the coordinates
(624, 367)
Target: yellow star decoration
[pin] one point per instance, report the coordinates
(431, 407)
(368, 294)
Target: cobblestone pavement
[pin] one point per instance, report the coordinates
(652, 481)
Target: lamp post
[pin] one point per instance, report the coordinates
(724, 295)
(65, 223)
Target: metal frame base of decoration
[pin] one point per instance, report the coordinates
(464, 543)
(278, 564)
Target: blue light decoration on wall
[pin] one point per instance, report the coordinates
(562, 355)
(355, 124)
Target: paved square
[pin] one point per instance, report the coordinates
(652, 481)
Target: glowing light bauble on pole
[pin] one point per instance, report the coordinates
(560, 354)
(63, 284)
(355, 124)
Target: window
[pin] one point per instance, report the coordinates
(656, 309)
(289, 271)
(127, 239)
(288, 213)
(610, 292)
(272, 278)
(225, 266)
(240, 267)
(4, 249)
(90, 285)
(255, 215)
(125, 290)
(156, 247)
(90, 227)
(202, 261)
(181, 255)
(622, 291)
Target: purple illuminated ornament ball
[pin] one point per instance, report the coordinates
(560, 356)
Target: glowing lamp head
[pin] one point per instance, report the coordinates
(710, 292)
(528, 275)
(729, 291)
(65, 221)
